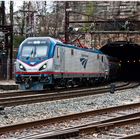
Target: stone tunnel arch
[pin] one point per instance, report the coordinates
(128, 54)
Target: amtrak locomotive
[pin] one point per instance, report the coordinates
(44, 61)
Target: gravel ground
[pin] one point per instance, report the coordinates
(116, 132)
(24, 113)
(67, 124)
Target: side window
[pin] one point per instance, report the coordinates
(58, 52)
(97, 56)
(72, 51)
(102, 59)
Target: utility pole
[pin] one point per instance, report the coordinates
(66, 21)
(11, 40)
(3, 13)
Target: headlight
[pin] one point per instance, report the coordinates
(22, 67)
(43, 67)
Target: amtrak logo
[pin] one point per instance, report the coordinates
(32, 63)
(84, 61)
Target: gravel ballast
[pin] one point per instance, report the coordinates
(44, 110)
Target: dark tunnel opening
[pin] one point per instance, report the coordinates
(129, 58)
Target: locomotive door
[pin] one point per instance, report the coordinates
(59, 59)
(62, 59)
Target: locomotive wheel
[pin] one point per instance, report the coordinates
(91, 83)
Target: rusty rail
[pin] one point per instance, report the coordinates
(30, 92)
(6, 129)
(133, 136)
(29, 99)
(100, 126)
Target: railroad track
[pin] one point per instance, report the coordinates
(43, 97)
(95, 121)
(30, 92)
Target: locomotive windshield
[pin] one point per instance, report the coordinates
(34, 51)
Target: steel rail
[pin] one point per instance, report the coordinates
(8, 128)
(94, 127)
(6, 102)
(43, 92)
(29, 92)
(49, 97)
(133, 136)
(99, 126)
(109, 125)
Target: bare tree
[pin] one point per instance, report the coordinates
(50, 19)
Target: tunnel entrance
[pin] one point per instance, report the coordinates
(129, 57)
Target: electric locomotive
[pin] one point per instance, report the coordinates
(45, 61)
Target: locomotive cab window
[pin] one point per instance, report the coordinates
(34, 51)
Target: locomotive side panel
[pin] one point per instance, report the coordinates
(76, 62)
(82, 63)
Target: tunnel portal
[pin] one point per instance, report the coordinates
(129, 57)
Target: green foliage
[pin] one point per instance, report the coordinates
(85, 29)
(90, 8)
(89, 11)
(17, 41)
